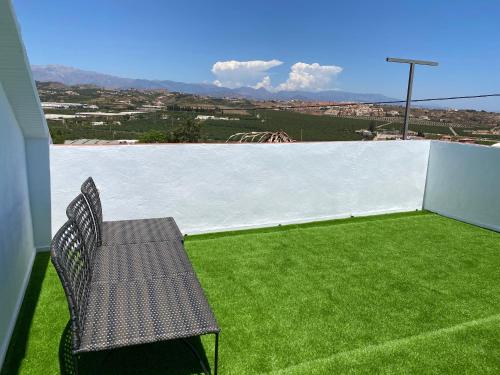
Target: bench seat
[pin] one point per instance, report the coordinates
(144, 311)
(140, 261)
(142, 230)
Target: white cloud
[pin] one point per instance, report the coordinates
(264, 84)
(254, 73)
(310, 77)
(243, 73)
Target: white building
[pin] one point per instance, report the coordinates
(57, 116)
(108, 114)
(207, 117)
(57, 105)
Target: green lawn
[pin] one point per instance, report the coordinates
(407, 293)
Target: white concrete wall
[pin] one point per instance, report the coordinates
(16, 235)
(20, 90)
(38, 169)
(213, 187)
(464, 183)
(24, 173)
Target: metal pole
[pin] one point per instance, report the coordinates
(408, 101)
(410, 85)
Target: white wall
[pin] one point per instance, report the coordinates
(24, 173)
(20, 90)
(464, 183)
(212, 187)
(16, 236)
(38, 170)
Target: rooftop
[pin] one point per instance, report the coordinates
(393, 293)
(412, 292)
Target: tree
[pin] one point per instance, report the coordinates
(372, 126)
(189, 132)
(57, 136)
(153, 136)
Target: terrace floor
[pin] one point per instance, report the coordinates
(400, 293)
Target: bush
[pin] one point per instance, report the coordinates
(154, 136)
(57, 136)
(189, 132)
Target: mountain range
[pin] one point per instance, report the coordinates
(74, 76)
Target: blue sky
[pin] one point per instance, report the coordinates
(182, 41)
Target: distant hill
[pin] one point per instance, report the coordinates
(73, 76)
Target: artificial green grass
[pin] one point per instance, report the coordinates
(415, 293)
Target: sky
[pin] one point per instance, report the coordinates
(278, 45)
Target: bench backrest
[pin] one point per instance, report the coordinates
(73, 265)
(89, 189)
(79, 210)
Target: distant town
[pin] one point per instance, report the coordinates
(85, 114)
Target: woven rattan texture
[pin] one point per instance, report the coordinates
(89, 189)
(142, 230)
(73, 265)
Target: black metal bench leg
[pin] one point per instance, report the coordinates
(216, 356)
(75, 364)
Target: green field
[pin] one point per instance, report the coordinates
(392, 294)
(129, 129)
(299, 126)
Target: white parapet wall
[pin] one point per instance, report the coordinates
(464, 183)
(215, 187)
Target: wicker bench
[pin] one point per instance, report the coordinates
(122, 294)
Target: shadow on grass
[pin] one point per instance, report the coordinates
(20, 336)
(171, 357)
